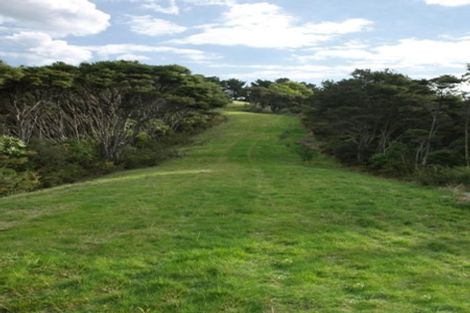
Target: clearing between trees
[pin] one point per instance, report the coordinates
(239, 224)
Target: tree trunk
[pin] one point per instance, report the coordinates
(467, 124)
(432, 133)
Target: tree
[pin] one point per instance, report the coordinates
(444, 88)
(116, 99)
(378, 116)
(22, 95)
(466, 98)
(280, 95)
(85, 119)
(235, 88)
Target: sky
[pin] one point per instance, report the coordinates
(305, 40)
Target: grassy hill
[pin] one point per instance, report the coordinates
(239, 224)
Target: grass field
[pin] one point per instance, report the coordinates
(239, 224)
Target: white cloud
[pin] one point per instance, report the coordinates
(160, 6)
(36, 48)
(56, 18)
(294, 72)
(150, 26)
(132, 57)
(418, 58)
(110, 51)
(448, 3)
(408, 54)
(171, 6)
(318, 73)
(265, 25)
(210, 2)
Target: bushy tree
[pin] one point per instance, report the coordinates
(105, 108)
(389, 121)
(283, 94)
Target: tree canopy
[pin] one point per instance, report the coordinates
(109, 105)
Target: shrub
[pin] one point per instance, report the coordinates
(12, 181)
(67, 162)
(440, 175)
(445, 157)
(12, 146)
(395, 161)
(432, 175)
(151, 155)
(459, 175)
(13, 152)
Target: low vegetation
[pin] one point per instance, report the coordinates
(239, 224)
(253, 216)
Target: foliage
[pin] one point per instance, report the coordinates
(391, 123)
(281, 95)
(67, 162)
(12, 181)
(13, 152)
(235, 88)
(442, 176)
(82, 119)
(14, 176)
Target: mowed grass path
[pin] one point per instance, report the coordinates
(239, 224)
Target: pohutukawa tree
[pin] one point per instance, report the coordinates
(110, 105)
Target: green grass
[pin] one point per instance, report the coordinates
(239, 224)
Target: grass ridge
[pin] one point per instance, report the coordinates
(238, 224)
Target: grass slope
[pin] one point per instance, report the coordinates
(240, 224)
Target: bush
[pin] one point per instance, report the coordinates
(150, 155)
(13, 152)
(65, 174)
(394, 162)
(345, 151)
(193, 122)
(432, 175)
(67, 162)
(12, 147)
(12, 181)
(446, 157)
(459, 175)
(440, 175)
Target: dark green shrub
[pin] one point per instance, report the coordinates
(68, 162)
(445, 157)
(458, 175)
(12, 181)
(440, 175)
(151, 155)
(66, 173)
(193, 121)
(343, 150)
(394, 162)
(432, 175)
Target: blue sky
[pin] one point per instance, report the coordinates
(306, 40)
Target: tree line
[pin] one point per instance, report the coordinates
(60, 123)
(384, 121)
(394, 124)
